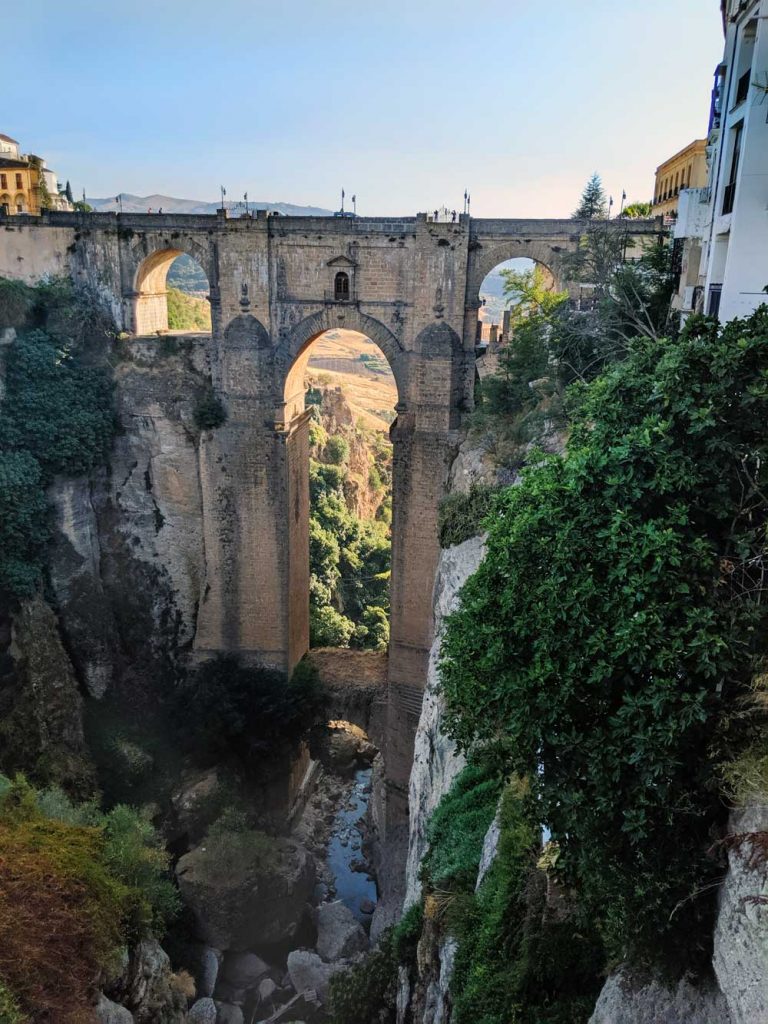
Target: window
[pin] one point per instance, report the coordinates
(729, 194)
(715, 291)
(715, 110)
(3, 181)
(341, 287)
(742, 89)
(19, 183)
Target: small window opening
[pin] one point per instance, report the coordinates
(341, 287)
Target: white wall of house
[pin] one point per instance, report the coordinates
(728, 222)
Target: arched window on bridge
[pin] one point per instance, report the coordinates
(171, 295)
(341, 287)
(341, 455)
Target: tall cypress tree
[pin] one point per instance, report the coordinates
(68, 192)
(593, 201)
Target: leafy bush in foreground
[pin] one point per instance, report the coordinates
(614, 624)
(75, 886)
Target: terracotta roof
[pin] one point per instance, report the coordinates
(7, 138)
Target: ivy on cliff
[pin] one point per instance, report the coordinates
(56, 416)
(613, 628)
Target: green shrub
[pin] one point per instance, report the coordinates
(209, 412)
(61, 910)
(187, 312)
(337, 450)
(520, 960)
(407, 932)
(613, 628)
(365, 993)
(457, 829)
(134, 853)
(462, 516)
(10, 1011)
(232, 846)
(227, 708)
(16, 302)
(57, 417)
(329, 628)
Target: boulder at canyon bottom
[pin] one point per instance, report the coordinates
(241, 902)
(339, 933)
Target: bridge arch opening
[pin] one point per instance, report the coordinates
(340, 396)
(171, 293)
(498, 296)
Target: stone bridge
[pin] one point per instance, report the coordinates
(276, 284)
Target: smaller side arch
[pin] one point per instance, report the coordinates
(149, 273)
(486, 258)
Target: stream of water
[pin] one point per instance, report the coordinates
(345, 850)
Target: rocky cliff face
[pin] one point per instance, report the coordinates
(436, 764)
(128, 560)
(41, 727)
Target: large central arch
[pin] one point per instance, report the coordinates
(293, 353)
(293, 358)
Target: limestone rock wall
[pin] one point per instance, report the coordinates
(741, 933)
(41, 729)
(436, 762)
(128, 561)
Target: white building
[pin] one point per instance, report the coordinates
(725, 225)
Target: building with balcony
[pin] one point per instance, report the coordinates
(26, 184)
(686, 169)
(723, 226)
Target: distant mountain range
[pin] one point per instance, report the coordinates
(169, 204)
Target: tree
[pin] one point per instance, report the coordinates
(617, 622)
(593, 205)
(528, 294)
(635, 210)
(68, 192)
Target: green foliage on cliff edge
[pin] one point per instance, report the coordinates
(75, 885)
(56, 416)
(226, 708)
(615, 626)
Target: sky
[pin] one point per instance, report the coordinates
(403, 102)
